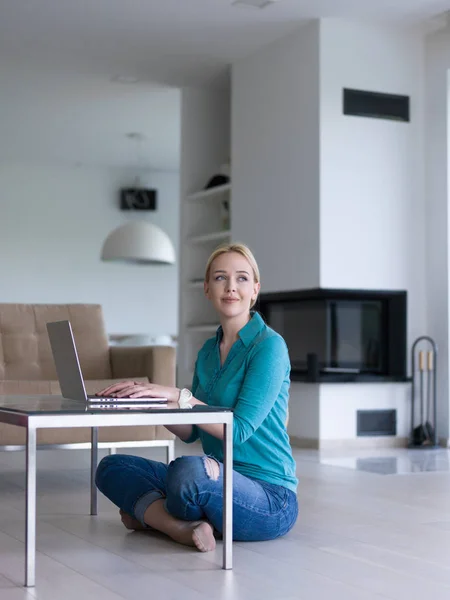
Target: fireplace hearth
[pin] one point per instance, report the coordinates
(341, 335)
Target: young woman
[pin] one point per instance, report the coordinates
(245, 366)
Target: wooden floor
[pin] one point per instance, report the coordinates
(371, 526)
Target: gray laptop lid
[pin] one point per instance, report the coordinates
(66, 360)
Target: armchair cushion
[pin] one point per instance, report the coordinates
(141, 360)
(26, 366)
(25, 352)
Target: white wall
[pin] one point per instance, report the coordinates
(372, 206)
(437, 213)
(275, 150)
(372, 172)
(339, 404)
(53, 221)
(304, 406)
(328, 200)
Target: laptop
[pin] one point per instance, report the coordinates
(69, 372)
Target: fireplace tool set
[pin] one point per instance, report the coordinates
(423, 394)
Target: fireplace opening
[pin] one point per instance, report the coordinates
(341, 335)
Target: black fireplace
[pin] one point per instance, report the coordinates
(341, 335)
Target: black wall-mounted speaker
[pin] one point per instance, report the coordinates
(138, 199)
(359, 103)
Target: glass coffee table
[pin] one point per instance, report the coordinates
(34, 412)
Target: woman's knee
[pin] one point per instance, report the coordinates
(188, 471)
(182, 468)
(212, 468)
(107, 465)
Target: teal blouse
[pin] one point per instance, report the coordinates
(254, 381)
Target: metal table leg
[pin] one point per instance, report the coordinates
(228, 497)
(94, 462)
(30, 508)
(170, 451)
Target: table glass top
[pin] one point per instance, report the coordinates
(50, 405)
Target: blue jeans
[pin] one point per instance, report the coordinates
(261, 511)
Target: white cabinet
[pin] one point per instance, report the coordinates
(205, 217)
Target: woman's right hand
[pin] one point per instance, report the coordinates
(123, 389)
(136, 389)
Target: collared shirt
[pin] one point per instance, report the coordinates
(254, 380)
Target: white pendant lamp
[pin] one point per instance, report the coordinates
(139, 242)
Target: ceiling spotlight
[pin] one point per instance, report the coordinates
(254, 3)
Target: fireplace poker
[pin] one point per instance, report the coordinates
(419, 434)
(429, 430)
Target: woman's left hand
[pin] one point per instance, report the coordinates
(135, 389)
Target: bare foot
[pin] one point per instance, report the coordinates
(129, 522)
(194, 533)
(203, 537)
(199, 534)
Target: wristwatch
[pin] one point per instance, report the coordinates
(184, 397)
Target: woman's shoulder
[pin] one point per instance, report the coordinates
(269, 341)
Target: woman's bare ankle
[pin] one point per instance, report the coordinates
(130, 522)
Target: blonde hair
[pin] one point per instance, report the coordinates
(239, 248)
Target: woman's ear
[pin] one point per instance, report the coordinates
(206, 288)
(256, 288)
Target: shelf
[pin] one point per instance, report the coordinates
(206, 327)
(211, 193)
(195, 285)
(209, 237)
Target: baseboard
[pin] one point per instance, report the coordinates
(444, 442)
(361, 443)
(365, 443)
(305, 443)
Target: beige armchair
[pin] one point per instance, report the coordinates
(27, 367)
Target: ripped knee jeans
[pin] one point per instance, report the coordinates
(192, 487)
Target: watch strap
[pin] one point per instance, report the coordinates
(184, 398)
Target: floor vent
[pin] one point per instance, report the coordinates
(376, 422)
(375, 105)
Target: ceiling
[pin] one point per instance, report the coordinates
(63, 62)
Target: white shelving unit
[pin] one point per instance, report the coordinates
(205, 211)
(205, 217)
(195, 285)
(210, 194)
(214, 236)
(208, 328)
